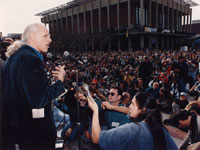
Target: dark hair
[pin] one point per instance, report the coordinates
(118, 89)
(153, 118)
(177, 116)
(196, 109)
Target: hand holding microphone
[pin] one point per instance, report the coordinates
(59, 73)
(92, 104)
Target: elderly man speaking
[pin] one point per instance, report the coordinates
(27, 118)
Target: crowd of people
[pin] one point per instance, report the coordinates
(128, 92)
(172, 77)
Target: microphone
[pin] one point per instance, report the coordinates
(86, 88)
(49, 55)
(67, 54)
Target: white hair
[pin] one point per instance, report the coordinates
(32, 28)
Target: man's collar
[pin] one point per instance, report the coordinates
(37, 53)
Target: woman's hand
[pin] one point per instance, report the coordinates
(92, 104)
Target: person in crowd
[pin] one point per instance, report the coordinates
(115, 113)
(3, 47)
(126, 99)
(194, 106)
(77, 115)
(177, 105)
(27, 118)
(183, 73)
(192, 68)
(165, 100)
(145, 70)
(154, 90)
(140, 84)
(128, 77)
(187, 120)
(195, 89)
(145, 133)
(133, 88)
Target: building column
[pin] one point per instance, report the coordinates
(181, 17)
(173, 15)
(84, 20)
(108, 13)
(156, 38)
(142, 23)
(162, 46)
(167, 43)
(48, 20)
(129, 14)
(190, 20)
(187, 29)
(72, 21)
(100, 44)
(109, 44)
(129, 43)
(54, 26)
(92, 44)
(177, 20)
(91, 12)
(62, 28)
(149, 12)
(142, 41)
(142, 12)
(118, 15)
(118, 42)
(78, 24)
(150, 45)
(67, 23)
(57, 24)
(163, 15)
(156, 18)
(129, 24)
(99, 15)
(168, 10)
(78, 21)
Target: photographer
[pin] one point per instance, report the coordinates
(187, 120)
(195, 90)
(3, 47)
(70, 131)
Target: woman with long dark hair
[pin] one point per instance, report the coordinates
(145, 132)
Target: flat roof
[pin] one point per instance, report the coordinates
(74, 3)
(56, 9)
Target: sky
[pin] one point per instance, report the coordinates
(15, 15)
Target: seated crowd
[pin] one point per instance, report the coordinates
(116, 81)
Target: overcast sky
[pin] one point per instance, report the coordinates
(16, 14)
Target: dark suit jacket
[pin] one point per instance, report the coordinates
(25, 86)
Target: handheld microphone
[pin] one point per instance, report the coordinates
(67, 54)
(49, 55)
(86, 88)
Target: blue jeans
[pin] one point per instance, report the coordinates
(74, 132)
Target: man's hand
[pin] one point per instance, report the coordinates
(107, 105)
(59, 73)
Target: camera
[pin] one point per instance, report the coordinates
(4, 44)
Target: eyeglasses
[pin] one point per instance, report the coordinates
(112, 94)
